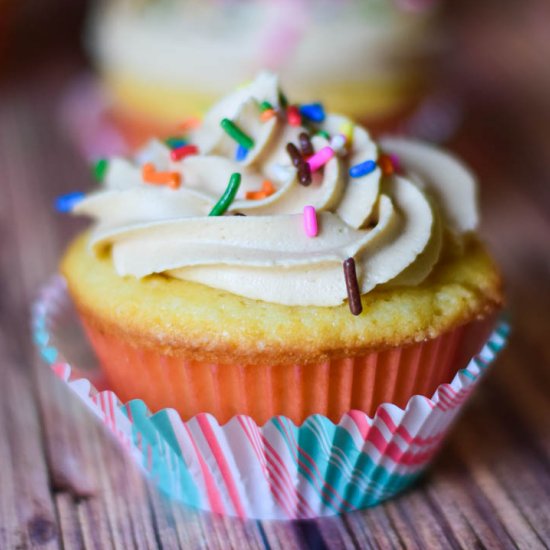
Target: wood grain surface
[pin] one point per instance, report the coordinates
(65, 484)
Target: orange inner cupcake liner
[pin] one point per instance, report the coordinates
(331, 388)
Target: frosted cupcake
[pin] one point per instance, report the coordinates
(278, 261)
(166, 59)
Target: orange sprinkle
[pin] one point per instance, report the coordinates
(190, 123)
(267, 189)
(255, 195)
(150, 175)
(267, 115)
(386, 165)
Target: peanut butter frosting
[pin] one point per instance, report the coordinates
(386, 204)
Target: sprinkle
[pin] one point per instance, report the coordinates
(238, 214)
(228, 196)
(294, 154)
(100, 169)
(267, 115)
(283, 101)
(240, 153)
(352, 286)
(304, 173)
(338, 142)
(293, 116)
(174, 142)
(324, 134)
(396, 162)
(150, 175)
(65, 203)
(386, 165)
(346, 128)
(267, 189)
(362, 169)
(305, 144)
(190, 123)
(266, 106)
(313, 111)
(320, 158)
(310, 221)
(184, 151)
(254, 195)
(236, 133)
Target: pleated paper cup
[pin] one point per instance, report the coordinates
(276, 469)
(332, 388)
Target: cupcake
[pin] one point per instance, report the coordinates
(278, 261)
(160, 61)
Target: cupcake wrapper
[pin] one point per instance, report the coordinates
(331, 388)
(275, 471)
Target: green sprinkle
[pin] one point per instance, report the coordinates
(283, 101)
(323, 133)
(175, 141)
(228, 196)
(237, 134)
(265, 106)
(100, 169)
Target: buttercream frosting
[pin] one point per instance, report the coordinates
(391, 224)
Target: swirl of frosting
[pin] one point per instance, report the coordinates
(390, 224)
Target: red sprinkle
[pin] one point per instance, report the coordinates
(184, 151)
(293, 115)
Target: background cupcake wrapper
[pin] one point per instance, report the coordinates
(274, 471)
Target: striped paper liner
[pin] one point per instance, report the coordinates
(275, 471)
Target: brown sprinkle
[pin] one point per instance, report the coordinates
(305, 144)
(352, 286)
(294, 154)
(304, 173)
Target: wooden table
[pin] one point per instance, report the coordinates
(65, 484)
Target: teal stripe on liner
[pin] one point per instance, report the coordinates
(303, 435)
(166, 467)
(468, 374)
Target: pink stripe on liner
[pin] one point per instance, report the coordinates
(273, 483)
(320, 158)
(62, 370)
(253, 428)
(402, 432)
(210, 437)
(361, 421)
(449, 399)
(212, 493)
(112, 412)
(269, 447)
(299, 500)
(249, 432)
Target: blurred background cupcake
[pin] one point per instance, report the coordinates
(162, 60)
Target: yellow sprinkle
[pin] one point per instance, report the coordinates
(346, 128)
